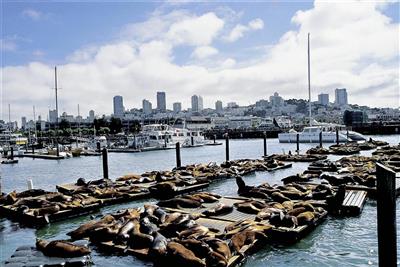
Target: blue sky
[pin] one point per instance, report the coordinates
(232, 51)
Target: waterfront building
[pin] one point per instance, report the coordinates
(218, 106)
(232, 105)
(276, 100)
(323, 99)
(52, 116)
(341, 96)
(23, 123)
(118, 106)
(161, 102)
(197, 103)
(177, 107)
(91, 116)
(147, 107)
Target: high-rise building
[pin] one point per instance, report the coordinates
(52, 116)
(161, 102)
(341, 96)
(91, 115)
(323, 99)
(276, 100)
(23, 123)
(118, 106)
(147, 108)
(197, 103)
(177, 107)
(218, 106)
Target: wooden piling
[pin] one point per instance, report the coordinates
(105, 163)
(320, 139)
(265, 144)
(178, 154)
(297, 143)
(98, 146)
(215, 137)
(33, 149)
(227, 147)
(337, 136)
(12, 153)
(386, 211)
(192, 141)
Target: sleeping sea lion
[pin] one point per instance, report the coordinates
(147, 227)
(84, 230)
(179, 203)
(245, 237)
(180, 256)
(215, 259)
(46, 210)
(125, 229)
(159, 246)
(247, 207)
(137, 239)
(198, 247)
(219, 246)
(194, 232)
(219, 209)
(279, 197)
(59, 248)
(305, 217)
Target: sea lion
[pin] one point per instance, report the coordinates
(179, 203)
(159, 246)
(181, 256)
(285, 221)
(46, 210)
(81, 182)
(198, 247)
(106, 233)
(305, 217)
(60, 248)
(84, 230)
(215, 259)
(296, 211)
(161, 214)
(194, 232)
(125, 229)
(137, 239)
(147, 227)
(279, 197)
(288, 205)
(245, 237)
(247, 207)
(207, 197)
(219, 209)
(219, 246)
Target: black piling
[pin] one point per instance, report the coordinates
(386, 210)
(320, 139)
(297, 143)
(265, 144)
(337, 136)
(178, 155)
(12, 153)
(215, 137)
(98, 146)
(192, 141)
(227, 147)
(33, 149)
(105, 163)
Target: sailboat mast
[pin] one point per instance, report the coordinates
(55, 83)
(309, 86)
(34, 121)
(9, 116)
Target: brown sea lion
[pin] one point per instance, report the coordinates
(247, 207)
(60, 248)
(137, 239)
(207, 197)
(198, 247)
(219, 209)
(215, 259)
(305, 218)
(296, 211)
(179, 203)
(181, 256)
(279, 197)
(219, 246)
(194, 232)
(46, 210)
(159, 246)
(125, 229)
(84, 230)
(245, 237)
(106, 233)
(288, 205)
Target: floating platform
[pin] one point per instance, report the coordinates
(29, 219)
(353, 202)
(30, 256)
(40, 156)
(213, 144)
(124, 150)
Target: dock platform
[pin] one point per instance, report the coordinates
(354, 201)
(39, 156)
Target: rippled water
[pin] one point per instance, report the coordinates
(337, 242)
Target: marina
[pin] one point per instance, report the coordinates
(354, 200)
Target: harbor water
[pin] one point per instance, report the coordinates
(337, 242)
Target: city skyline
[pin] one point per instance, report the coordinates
(243, 54)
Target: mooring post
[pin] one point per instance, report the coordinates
(178, 154)
(386, 210)
(33, 149)
(320, 139)
(337, 136)
(227, 147)
(98, 146)
(215, 137)
(12, 153)
(347, 134)
(297, 143)
(105, 163)
(192, 141)
(265, 144)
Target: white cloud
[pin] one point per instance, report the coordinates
(202, 52)
(8, 45)
(239, 30)
(359, 51)
(32, 14)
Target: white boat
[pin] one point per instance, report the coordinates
(311, 133)
(165, 136)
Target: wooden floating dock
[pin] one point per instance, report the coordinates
(39, 156)
(29, 219)
(124, 150)
(354, 201)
